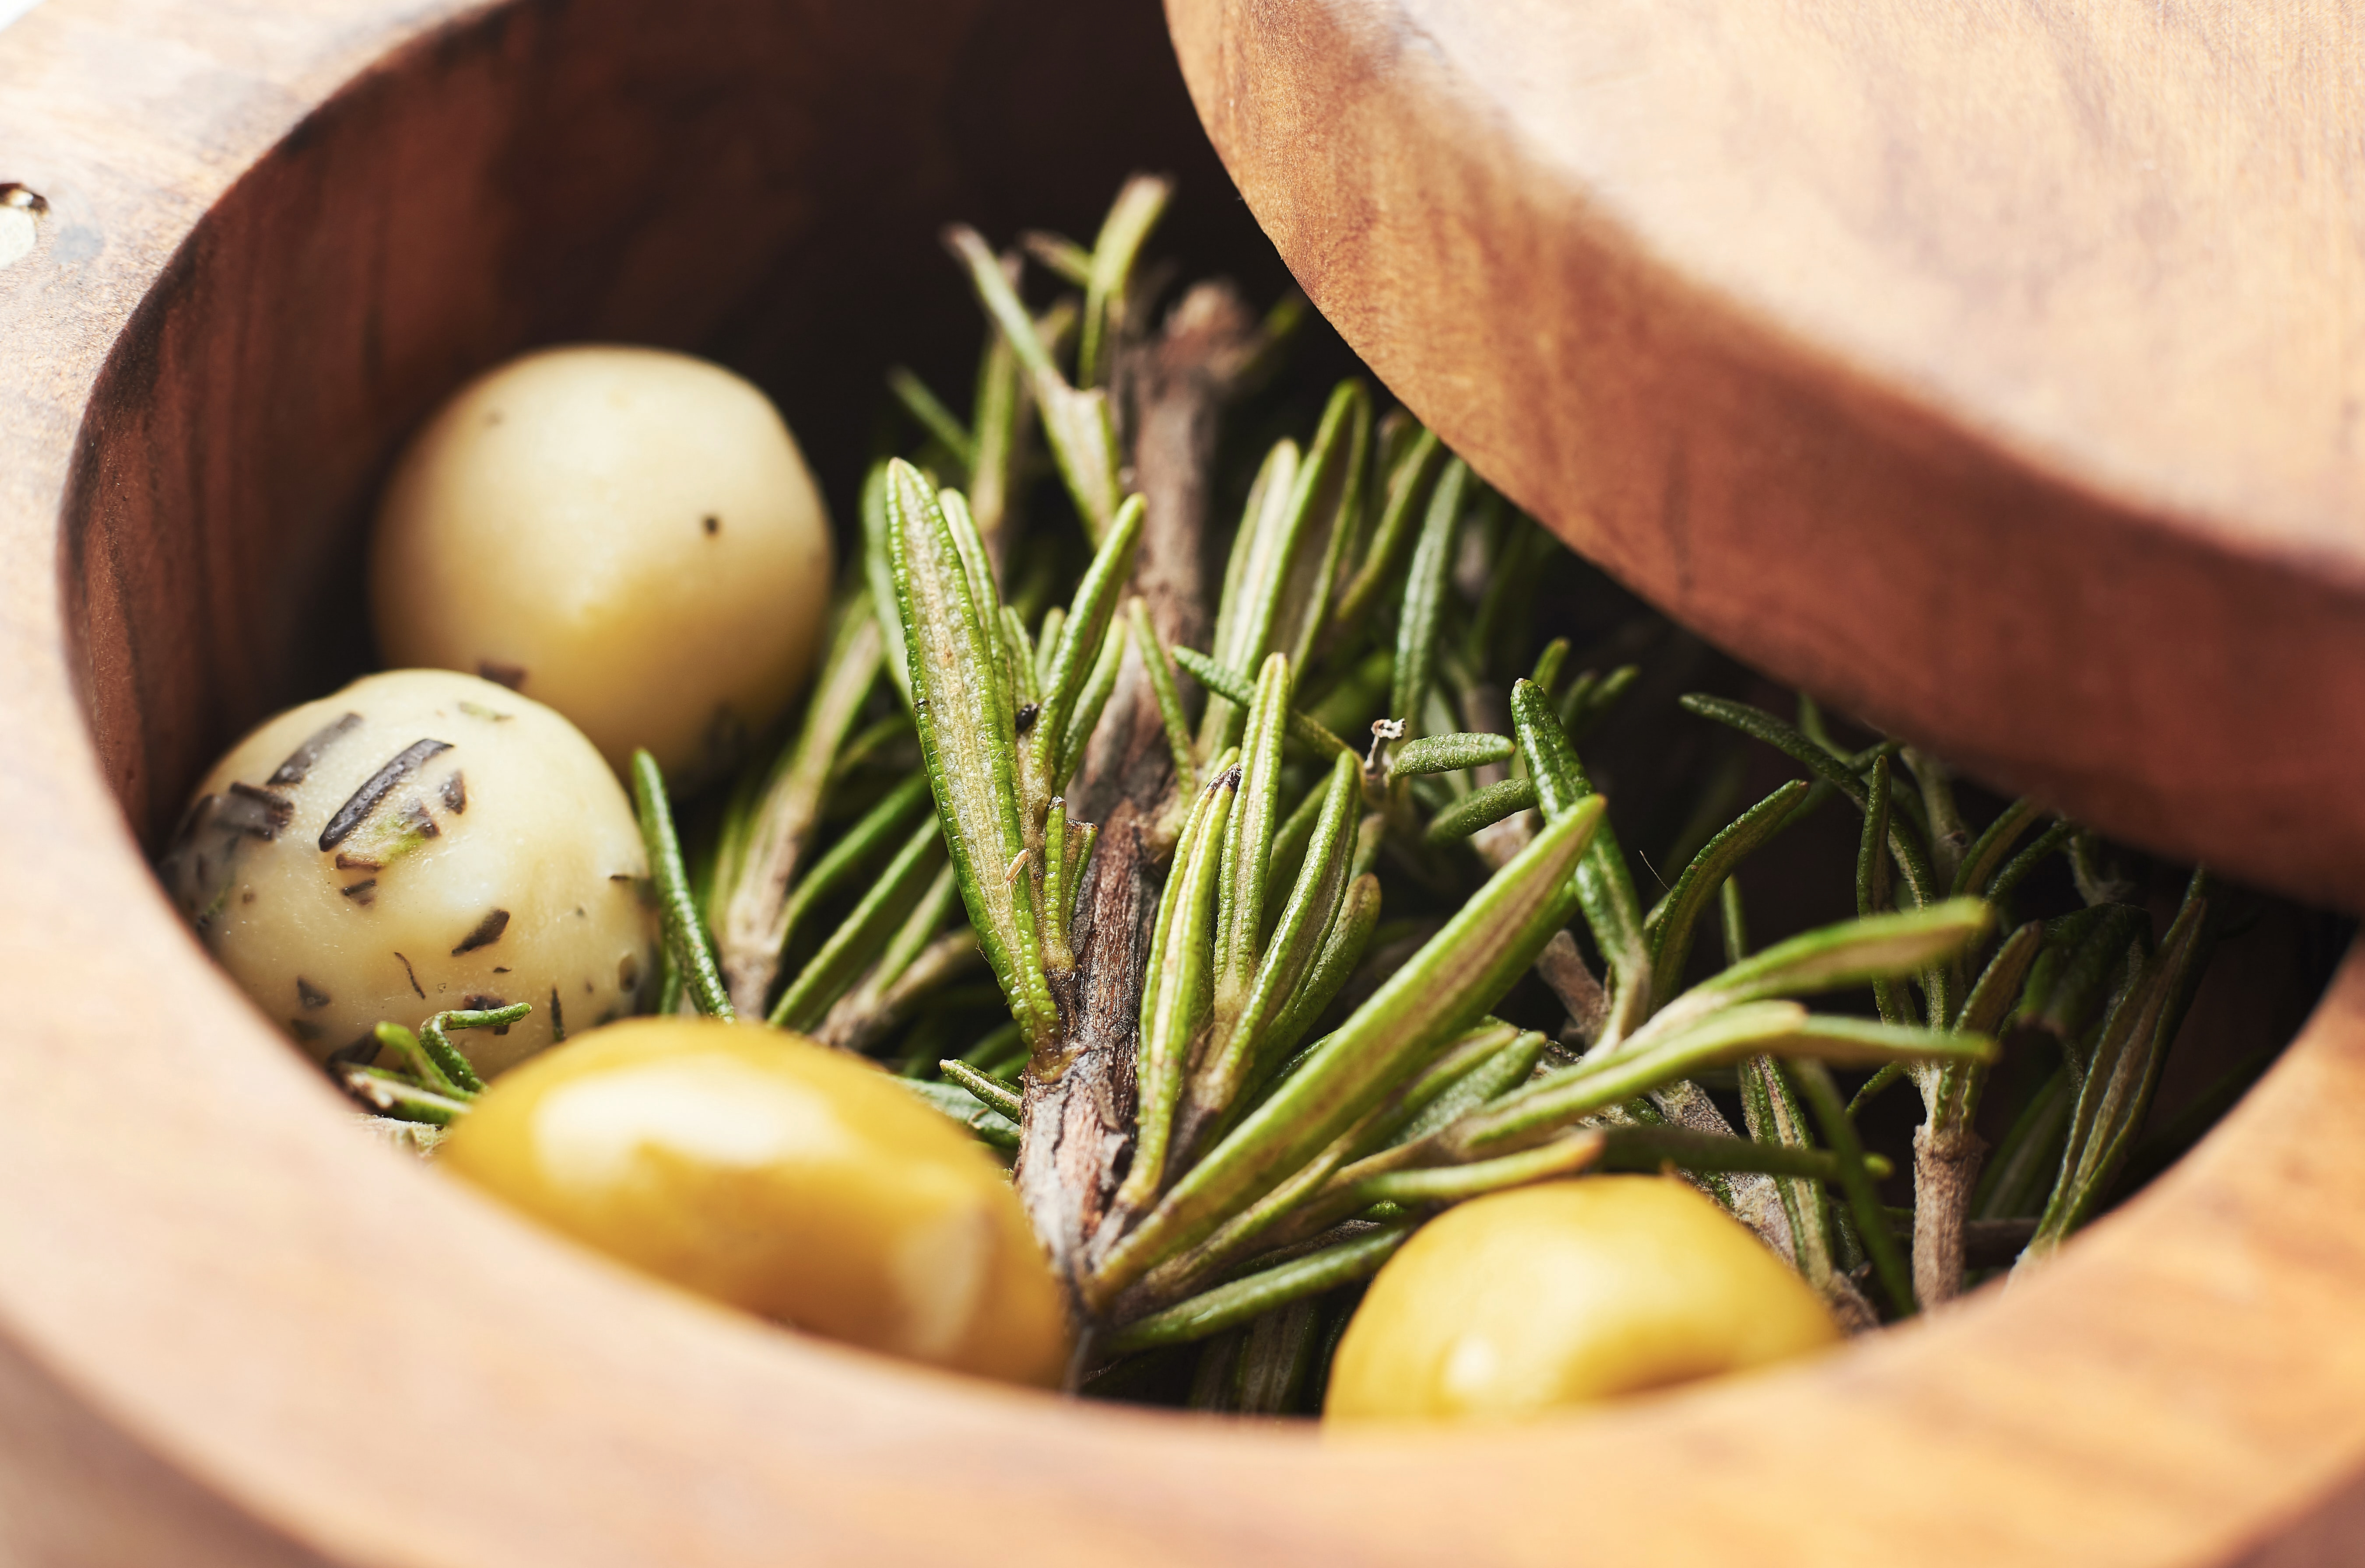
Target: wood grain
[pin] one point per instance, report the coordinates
(276, 230)
(1991, 370)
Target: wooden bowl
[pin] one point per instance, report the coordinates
(231, 1333)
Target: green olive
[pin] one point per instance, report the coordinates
(1565, 1294)
(628, 534)
(759, 1169)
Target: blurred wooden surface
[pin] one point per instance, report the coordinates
(1992, 370)
(231, 1332)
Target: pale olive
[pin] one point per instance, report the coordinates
(628, 534)
(421, 840)
(1565, 1294)
(761, 1169)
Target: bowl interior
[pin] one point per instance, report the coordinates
(759, 184)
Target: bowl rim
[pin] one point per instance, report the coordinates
(2175, 1388)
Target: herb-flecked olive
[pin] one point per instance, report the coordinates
(761, 1169)
(1565, 1294)
(628, 534)
(421, 840)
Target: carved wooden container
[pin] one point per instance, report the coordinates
(270, 235)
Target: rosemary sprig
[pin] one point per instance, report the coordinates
(1815, 1080)
(966, 722)
(1238, 905)
(1446, 753)
(685, 933)
(2118, 1079)
(1251, 1022)
(1079, 425)
(1671, 925)
(1176, 993)
(1605, 889)
(440, 1084)
(988, 1123)
(1432, 557)
(1227, 684)
(997, 1095)
(1278, 585)
(1109, 271)
(1422, 1006)
(1227, 1306)
(864, 934)
(753, 894)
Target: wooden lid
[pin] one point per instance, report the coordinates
(1993, 372)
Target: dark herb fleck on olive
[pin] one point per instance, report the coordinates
(299, 762)
(628, 973)
(456, 793)
(257, 812)
(414, 977)
(363, 892)
(371, 795)
(311, 995)
(558, 1016)
(304, 1029)
(714, 524)
(488, 931)
(358, 863)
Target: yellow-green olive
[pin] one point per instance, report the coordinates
(421, 840)
(1564, 1294)
(627, 535)
(759, 1169)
